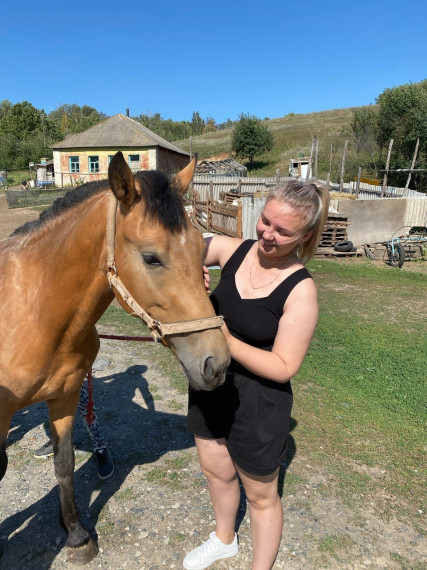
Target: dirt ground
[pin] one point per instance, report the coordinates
(155, 507)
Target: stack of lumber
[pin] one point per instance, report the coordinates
(229, 197)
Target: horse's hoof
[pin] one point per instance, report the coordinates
(82, 554)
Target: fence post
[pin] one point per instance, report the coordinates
(359, 173)
(316, 152)
(208, 207)
(343, 166)
(386, 168)
(239, 231)
(239, 185)
(412, 168)
(278, 176)
(310, 160)
(328, 180)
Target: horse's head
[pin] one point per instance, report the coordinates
(159, 257)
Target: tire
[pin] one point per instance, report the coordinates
(343, 246)
(397, 258)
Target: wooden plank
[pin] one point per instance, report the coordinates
(224, 231)
(239, 222)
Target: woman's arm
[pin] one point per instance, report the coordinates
(219, 249)
(296, 328)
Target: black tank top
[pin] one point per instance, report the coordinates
(254, 321)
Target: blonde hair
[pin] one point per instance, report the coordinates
(311, 199)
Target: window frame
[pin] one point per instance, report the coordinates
(93, 163)
(132, 163)
(74, 165)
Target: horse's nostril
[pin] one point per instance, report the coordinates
(214, 372)
(209, 368)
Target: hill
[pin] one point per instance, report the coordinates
(292, 134)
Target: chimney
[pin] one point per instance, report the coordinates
(127, 112)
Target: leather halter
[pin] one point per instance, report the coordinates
(158, 330)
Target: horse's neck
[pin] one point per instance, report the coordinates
(71, 252)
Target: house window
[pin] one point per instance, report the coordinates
(94, 164)
(134, 161)
(110, 158)
(74, 162)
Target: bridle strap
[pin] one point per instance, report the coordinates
(158, 330)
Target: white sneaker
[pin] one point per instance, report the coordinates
(210, 551)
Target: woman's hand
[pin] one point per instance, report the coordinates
(228, 336)
(207, 279)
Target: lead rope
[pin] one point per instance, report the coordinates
(158, 330)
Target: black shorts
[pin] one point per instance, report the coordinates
(251, 413)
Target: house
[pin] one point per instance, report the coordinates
(85, 156)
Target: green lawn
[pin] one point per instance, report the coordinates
(359, 410)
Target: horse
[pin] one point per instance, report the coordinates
(59, 275)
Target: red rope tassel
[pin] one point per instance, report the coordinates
(89, 408)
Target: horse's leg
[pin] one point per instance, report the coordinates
(61, 412)
(5, 419)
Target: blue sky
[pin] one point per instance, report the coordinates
(267, 58)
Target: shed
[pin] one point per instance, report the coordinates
(226, 167)
(298, 166)
(45, 175)
(85, 156)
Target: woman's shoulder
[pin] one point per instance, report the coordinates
(220, 249)
(303, 289)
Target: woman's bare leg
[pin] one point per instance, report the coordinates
(223, 485)
(266, 512)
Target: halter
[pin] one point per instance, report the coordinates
(158, 330)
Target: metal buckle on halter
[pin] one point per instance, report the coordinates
(112, 267)
(156, 330)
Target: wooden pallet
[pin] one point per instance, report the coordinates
(335, 230)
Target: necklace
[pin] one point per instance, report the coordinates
(279, 270)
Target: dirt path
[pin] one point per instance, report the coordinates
(12, 219)
(156, 507)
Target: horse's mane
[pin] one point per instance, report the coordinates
(61, 205)
(162, 202)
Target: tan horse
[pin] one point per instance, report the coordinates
(54, 288)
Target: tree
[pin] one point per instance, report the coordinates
(251, 137)
(197, 124)
(25, 135)
(211, 126)
(74, 119)
(403, 117)
(364, 131)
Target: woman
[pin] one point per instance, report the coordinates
(269, 302)
(104, 463)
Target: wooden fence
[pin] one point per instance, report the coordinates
(221, 218)
(208, 188)
(211, 188)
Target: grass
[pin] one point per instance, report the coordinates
(292, 135)
(360, 394)
(170, 472)
(359, 409)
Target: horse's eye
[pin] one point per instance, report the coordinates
(151, 259)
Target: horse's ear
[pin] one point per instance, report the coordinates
(183, 179)
(121, 180)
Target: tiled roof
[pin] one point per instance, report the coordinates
(116, 132)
